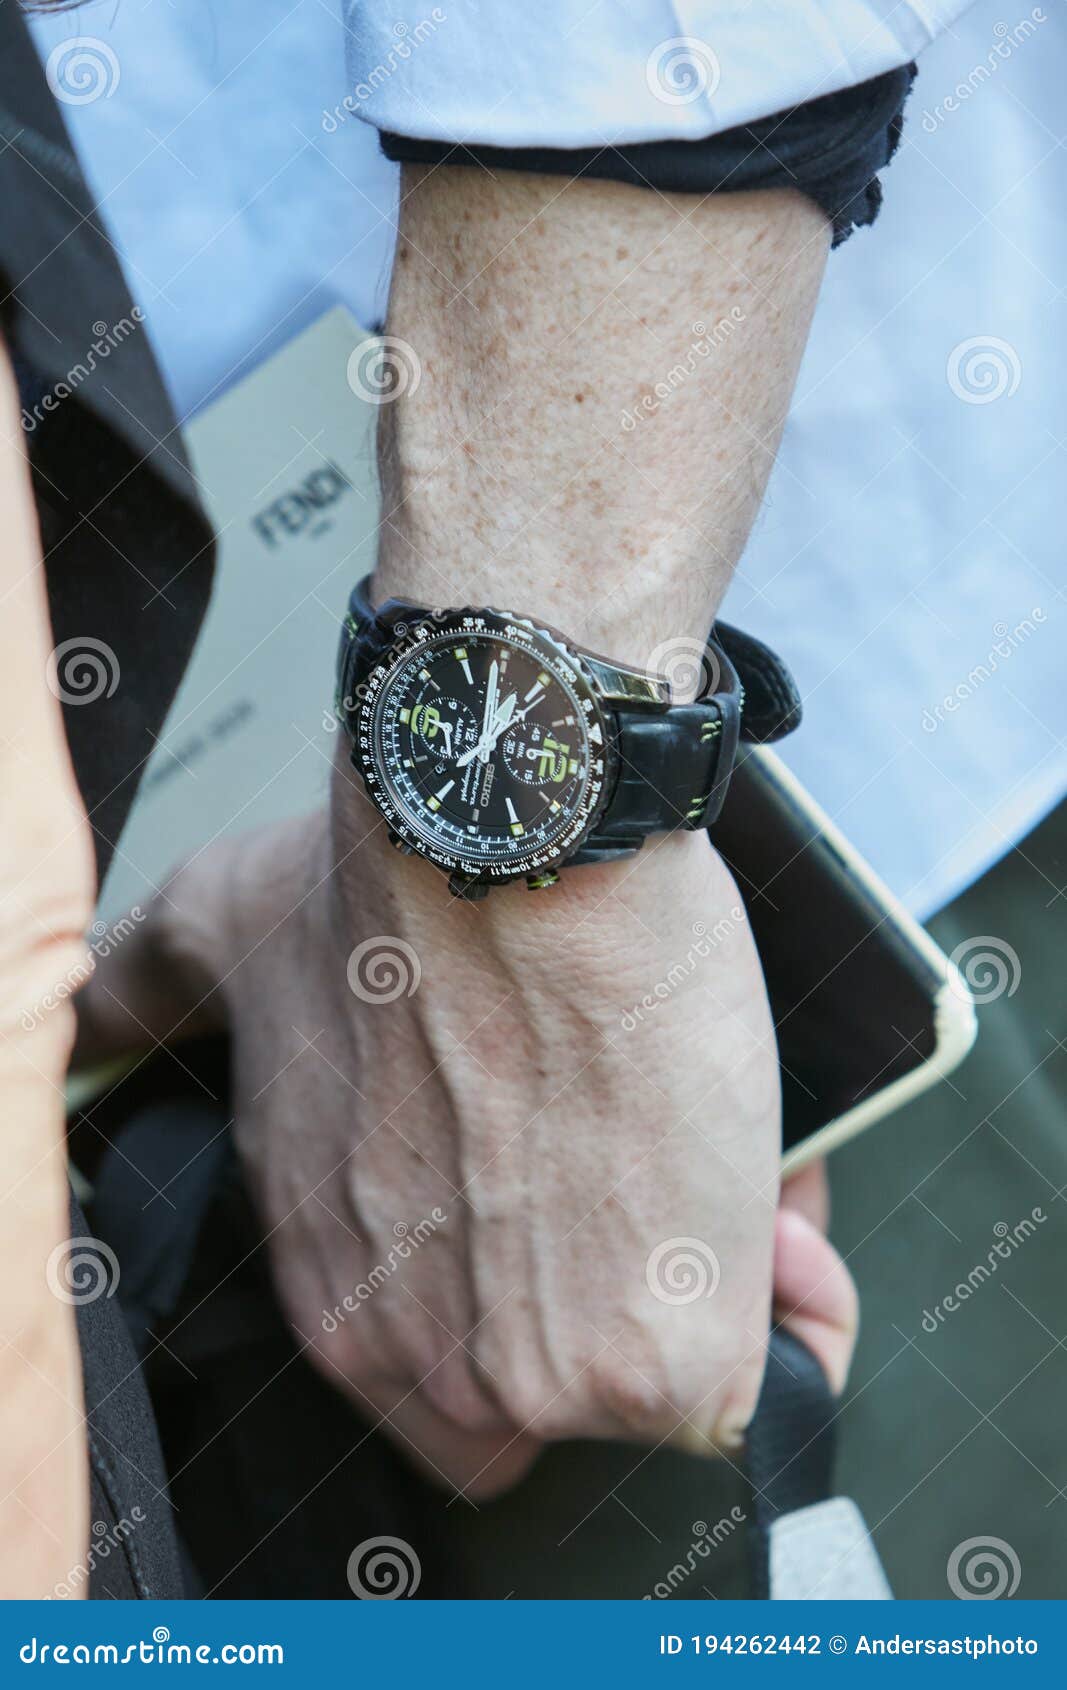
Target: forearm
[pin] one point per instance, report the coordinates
(510, 478)
(565, 452)
(45, 904)
(604, 376)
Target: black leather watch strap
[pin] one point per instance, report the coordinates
(361, 643)
(772, 703)
(674, 766)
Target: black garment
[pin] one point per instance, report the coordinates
(278, 1478)
(128, 556)
(830, 149)
(127, 548)
(132, 1549)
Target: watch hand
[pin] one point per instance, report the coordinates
(501, 720)
(504, 715)
(491, 690)
(496, 727)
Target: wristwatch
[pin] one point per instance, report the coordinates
(498, 750)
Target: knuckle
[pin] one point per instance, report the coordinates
(630, 1397)
(738, 1401)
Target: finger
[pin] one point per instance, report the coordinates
(808, 1192)
(479, 1465)
(155, 974)
(815, 1296)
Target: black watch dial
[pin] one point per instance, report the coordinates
(484, 744)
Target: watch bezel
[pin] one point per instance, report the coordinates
(410, 631)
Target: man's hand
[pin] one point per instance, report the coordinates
(500, 1209)
(46, 900)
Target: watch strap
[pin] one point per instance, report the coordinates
(361, 642)
(674, 767)
(773, 705)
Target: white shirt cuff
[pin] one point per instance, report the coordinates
(567, 73)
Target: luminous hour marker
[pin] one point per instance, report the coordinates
(405, 715)
(516, 825)
(434, 803)
(464, 662)
(554, 806)
(572, 766)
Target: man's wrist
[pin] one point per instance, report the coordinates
(595, 936)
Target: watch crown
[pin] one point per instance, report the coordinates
(537, 882)
(467, 886)
(400, 845)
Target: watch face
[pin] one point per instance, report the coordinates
(484, 745)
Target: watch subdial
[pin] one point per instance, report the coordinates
(538, 756)
(441, 729)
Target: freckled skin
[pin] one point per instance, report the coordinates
(537, 293)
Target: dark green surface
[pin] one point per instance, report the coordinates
(959, 1433)
(944, 1436)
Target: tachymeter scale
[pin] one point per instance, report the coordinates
(483, 743)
